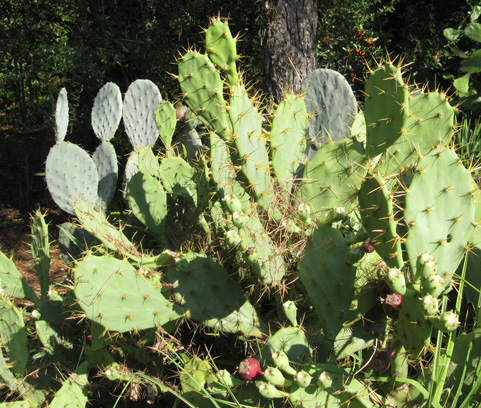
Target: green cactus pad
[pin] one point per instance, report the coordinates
(148, 202)
(191, 141)
(222, 49)
(105, 160)
(385, 109)
(328, 278)
(178, 177)
(290, 340)
(223, 172)
(289, 139)
(378, 217)
(12, 282)
(203, 91)
(71, 175)
(209, 295)
(250, 145)
(115, 240)
(430, 123)
(413, 329)
(13, 335)
(107, 111)
(260, 252)
(332, 104)
(333, 176)
(41, 251)
(61, 116)
(73, 393)
(439, 211)
(140, 103)
(114, 294)
(166, 120)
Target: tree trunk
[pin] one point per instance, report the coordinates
(290, 47)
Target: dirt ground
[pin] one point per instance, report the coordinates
(22, 191)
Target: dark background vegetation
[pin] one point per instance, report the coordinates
(46, 45)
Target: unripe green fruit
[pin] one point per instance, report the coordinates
(281, 361)
(430, 305)
(274, 376)
(396, 281)
(324, 380)
(433, 285)
(239, 219)
(232, 238)
(303, 379)
(290, 310)
(228, 379)
(291, 226)
(270, 391)
(304, 211)
(446, 322)
(232, 203)
(36, 314)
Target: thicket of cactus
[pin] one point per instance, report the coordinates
(324, 248)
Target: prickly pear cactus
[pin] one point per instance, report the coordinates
(332, 104)
(325, 271)
(70, 171)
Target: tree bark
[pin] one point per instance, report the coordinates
(290, 47)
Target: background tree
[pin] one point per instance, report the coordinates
(290, 45)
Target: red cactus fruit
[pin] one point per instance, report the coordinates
(366, 246)
(249, 369)
(393, 299)
(381, 360)
(391, 304)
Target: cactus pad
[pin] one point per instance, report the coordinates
(140, 103)
(107, 111)
(331, 101)
(71, 175)
(114, 294)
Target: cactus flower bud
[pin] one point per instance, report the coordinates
(250, 368)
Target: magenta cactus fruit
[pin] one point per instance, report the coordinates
(250, 368)
(366, 246)
(391, 305)
(381, 360)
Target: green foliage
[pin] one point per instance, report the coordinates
(466, 82)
